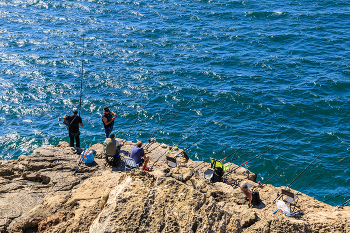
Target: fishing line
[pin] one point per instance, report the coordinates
(267, 150)
(301, 173)
(209, 158)
(242, 147)
(151, 140)
(344, 204)
(124, 112)
(176, 135)
(135, 121)
(182, 142)
(323, 173)
(161, 120)
(324, 201)
(182, 152)
(249, 152)
(171, 119)
(297, 159)
(307, 167)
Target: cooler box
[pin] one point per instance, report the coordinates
(89, 158)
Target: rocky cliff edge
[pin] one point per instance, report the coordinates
(41, 193)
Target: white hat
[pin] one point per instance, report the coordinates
(75, 110)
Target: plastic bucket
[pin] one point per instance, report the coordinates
(89, 158)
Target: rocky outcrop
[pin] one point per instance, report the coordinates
(41, 193)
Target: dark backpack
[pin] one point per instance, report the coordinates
(217, 175)
(255, 198)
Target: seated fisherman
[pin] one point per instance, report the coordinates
(138, 154)
(246, 191)
(111, 149)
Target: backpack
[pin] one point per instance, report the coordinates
(255, 198)
(218, 173)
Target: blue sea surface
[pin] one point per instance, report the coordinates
(251, 68)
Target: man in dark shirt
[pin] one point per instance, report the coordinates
(108, 120)
(73, 128)
(138, 154)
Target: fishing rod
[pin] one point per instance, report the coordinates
(82, 77)
(267, 150)
(230, 154)
(182, 152)
(82, 158)
(220, 152)
(282, 169)
(323, 173)
(344, 204)
(152, 141)
(324, 201)
(175, 135)
(134, 122)
(307, 167)
(179, 143)
(301, 172)
(161, 120)
(124, 111)
(242, 147)
(209, 158)
(249, 152)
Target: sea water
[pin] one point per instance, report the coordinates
(274, 67)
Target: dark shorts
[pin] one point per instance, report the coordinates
(141, 162)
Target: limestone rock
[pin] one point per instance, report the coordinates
(41, 193)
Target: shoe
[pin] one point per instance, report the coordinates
(145, 169)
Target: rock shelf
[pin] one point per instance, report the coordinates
(40, 193)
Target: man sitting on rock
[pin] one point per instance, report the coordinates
(245, 190)
(138, 154)
(111, 149)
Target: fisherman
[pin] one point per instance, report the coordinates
(108, 120)
(111, 149)
(138, 154)
(73, 127)
(245, 190)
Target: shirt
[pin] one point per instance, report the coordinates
(137, 153)
(74, 124)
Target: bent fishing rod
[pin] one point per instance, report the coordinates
(267, 150)
(82, 77)
(167, 124)
(302, 172)
(175, 135)
(182, 152)
(323, 173)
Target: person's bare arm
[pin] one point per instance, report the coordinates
(104, 119)
(81, 124)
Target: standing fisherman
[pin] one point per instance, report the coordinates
(108, 120)
(73, 127)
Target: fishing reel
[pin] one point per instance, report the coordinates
(152, 140)
(339, 207)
